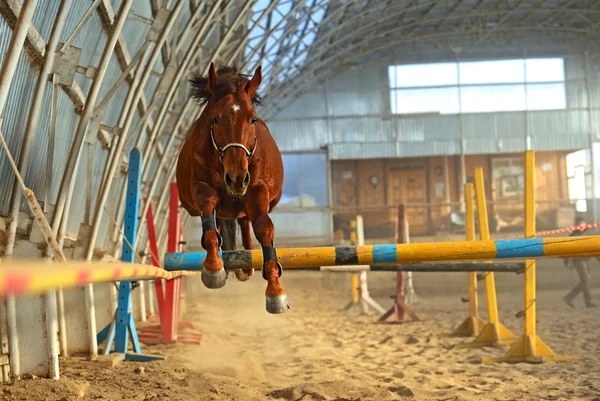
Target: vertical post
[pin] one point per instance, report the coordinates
(128, 252)
(484, 235)
(591, 137)
(355, 280)
(7, 71)
(463, 175)
(530, 266)
(360, 240)
(527, 137)
(470, 236)
(354, 288)
(179, 282)
(529, 347)
(473, 324)
(493, 333)
(400, 293)
(158, 284)
(447, 187)
(122, 328)
(400, 306)
(365, 297)
(170, 321)
(52, 328)
(360, 291)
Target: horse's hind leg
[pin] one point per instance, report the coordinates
(244, 223)
(257, 210)
(213, 272)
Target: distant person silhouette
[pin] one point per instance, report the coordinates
(583, 270)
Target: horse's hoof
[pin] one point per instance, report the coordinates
(214, 280)
(278, 304)
(241, 275)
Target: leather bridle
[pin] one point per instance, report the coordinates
(222, 150)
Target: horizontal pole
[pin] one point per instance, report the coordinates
(505, 267)
(35, 276)
(464, 251)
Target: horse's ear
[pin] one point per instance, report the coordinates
(254, 82)
(212, 79)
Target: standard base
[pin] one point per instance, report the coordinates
(470, 327)
(492, 335)
(399, 309)
(141, 357)
(154, 335)
(278, 304)
(529, 349)
(214, 280)
(363, 303)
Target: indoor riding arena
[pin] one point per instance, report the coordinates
(299, 200)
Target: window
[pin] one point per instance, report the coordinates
(305, 180)
(478, 86)
(417, 75)
(489, 99)
(509, 177)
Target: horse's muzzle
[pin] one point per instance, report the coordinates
(237, 184)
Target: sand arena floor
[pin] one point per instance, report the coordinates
(316, 353)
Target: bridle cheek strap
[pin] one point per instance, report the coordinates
(222, 150)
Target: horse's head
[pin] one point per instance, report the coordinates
(231, 99)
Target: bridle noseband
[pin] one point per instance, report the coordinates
(222, 150)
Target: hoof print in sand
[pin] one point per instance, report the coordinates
(402, 391)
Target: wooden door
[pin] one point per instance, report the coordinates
(408, 186)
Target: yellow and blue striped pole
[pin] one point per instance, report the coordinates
(461, 251)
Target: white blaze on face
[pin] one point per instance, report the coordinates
(235, 107)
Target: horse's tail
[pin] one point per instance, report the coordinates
(228, 228)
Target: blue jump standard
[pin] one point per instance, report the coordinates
(122, 328)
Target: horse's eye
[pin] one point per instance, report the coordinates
(215, 121)
(254, 120)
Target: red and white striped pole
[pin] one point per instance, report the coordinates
(560, 230)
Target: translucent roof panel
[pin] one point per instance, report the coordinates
(280, 34)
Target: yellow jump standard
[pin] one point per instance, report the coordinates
(494, 333)
(529, 347)
(473, 324)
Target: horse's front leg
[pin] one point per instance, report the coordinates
(257, 210)
(213, 272)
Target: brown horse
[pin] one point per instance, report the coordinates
(230, 168)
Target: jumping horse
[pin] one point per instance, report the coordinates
(230, 168)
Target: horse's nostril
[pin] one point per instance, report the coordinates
(228, 179)
(247, 179)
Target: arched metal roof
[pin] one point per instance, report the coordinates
(347, 34)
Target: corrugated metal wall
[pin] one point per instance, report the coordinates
(351, 115)
(91, 40)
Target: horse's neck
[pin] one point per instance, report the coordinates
(201, 129)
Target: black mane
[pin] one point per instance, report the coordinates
(228, 82)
